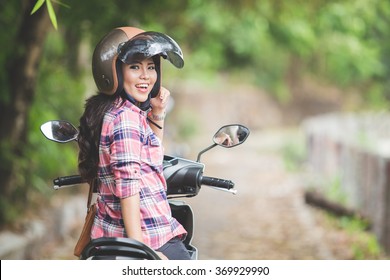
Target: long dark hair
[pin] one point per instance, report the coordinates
(89, 133)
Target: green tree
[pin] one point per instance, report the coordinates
(20, 60)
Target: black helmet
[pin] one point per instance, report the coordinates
(149, 44)
(127, 44)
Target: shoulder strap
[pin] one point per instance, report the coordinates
(91, 190)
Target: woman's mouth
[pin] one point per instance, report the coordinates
(142, 87)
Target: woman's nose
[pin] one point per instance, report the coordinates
(144, 74)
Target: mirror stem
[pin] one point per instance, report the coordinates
(205, 150)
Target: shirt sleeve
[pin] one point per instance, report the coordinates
(126, 154)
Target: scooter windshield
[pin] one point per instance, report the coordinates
(148, 44)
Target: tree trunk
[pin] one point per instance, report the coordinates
(22, 70)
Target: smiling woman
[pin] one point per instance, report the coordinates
(120, 140)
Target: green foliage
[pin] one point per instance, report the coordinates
(8, 21)
(377, 98)
(335, 192)
(350, 53)
(38, 5)
(50, 10)
(364, 244)
(341, 41)
(59, 96)
(59, 91)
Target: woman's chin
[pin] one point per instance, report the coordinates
(140, 97)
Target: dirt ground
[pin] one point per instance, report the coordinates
(267, 218)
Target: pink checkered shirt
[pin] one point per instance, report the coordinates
(130, 161)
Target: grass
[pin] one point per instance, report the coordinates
(364, 244)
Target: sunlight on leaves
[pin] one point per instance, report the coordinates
(52, 14)
(50, 10)
(37, 6)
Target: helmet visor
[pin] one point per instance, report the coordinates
(149, 44)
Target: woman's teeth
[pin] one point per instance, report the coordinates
(143, 86)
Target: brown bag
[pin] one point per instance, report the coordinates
(85, 236)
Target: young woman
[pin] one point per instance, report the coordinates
(121, 133)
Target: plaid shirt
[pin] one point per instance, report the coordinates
(130, 162)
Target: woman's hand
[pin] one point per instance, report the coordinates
(160, 102)
(157, 114)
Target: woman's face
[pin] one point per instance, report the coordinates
(139, 78)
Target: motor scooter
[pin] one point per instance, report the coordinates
(184, 179)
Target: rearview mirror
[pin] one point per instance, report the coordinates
(230, 136)
(59, 131)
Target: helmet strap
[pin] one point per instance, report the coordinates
(144, 106)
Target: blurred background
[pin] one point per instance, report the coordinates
(309, 79)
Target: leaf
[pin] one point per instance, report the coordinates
(62, 4)
(52, 13)
(37, 6)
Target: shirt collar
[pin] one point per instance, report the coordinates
(134, 108)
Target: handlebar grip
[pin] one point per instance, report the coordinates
(68, 180)
(216, 182)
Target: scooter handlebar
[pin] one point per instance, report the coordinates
(217, 182)
(205, 180)
(67, 181)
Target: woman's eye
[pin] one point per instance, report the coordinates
(134, 67)
(152, 67)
